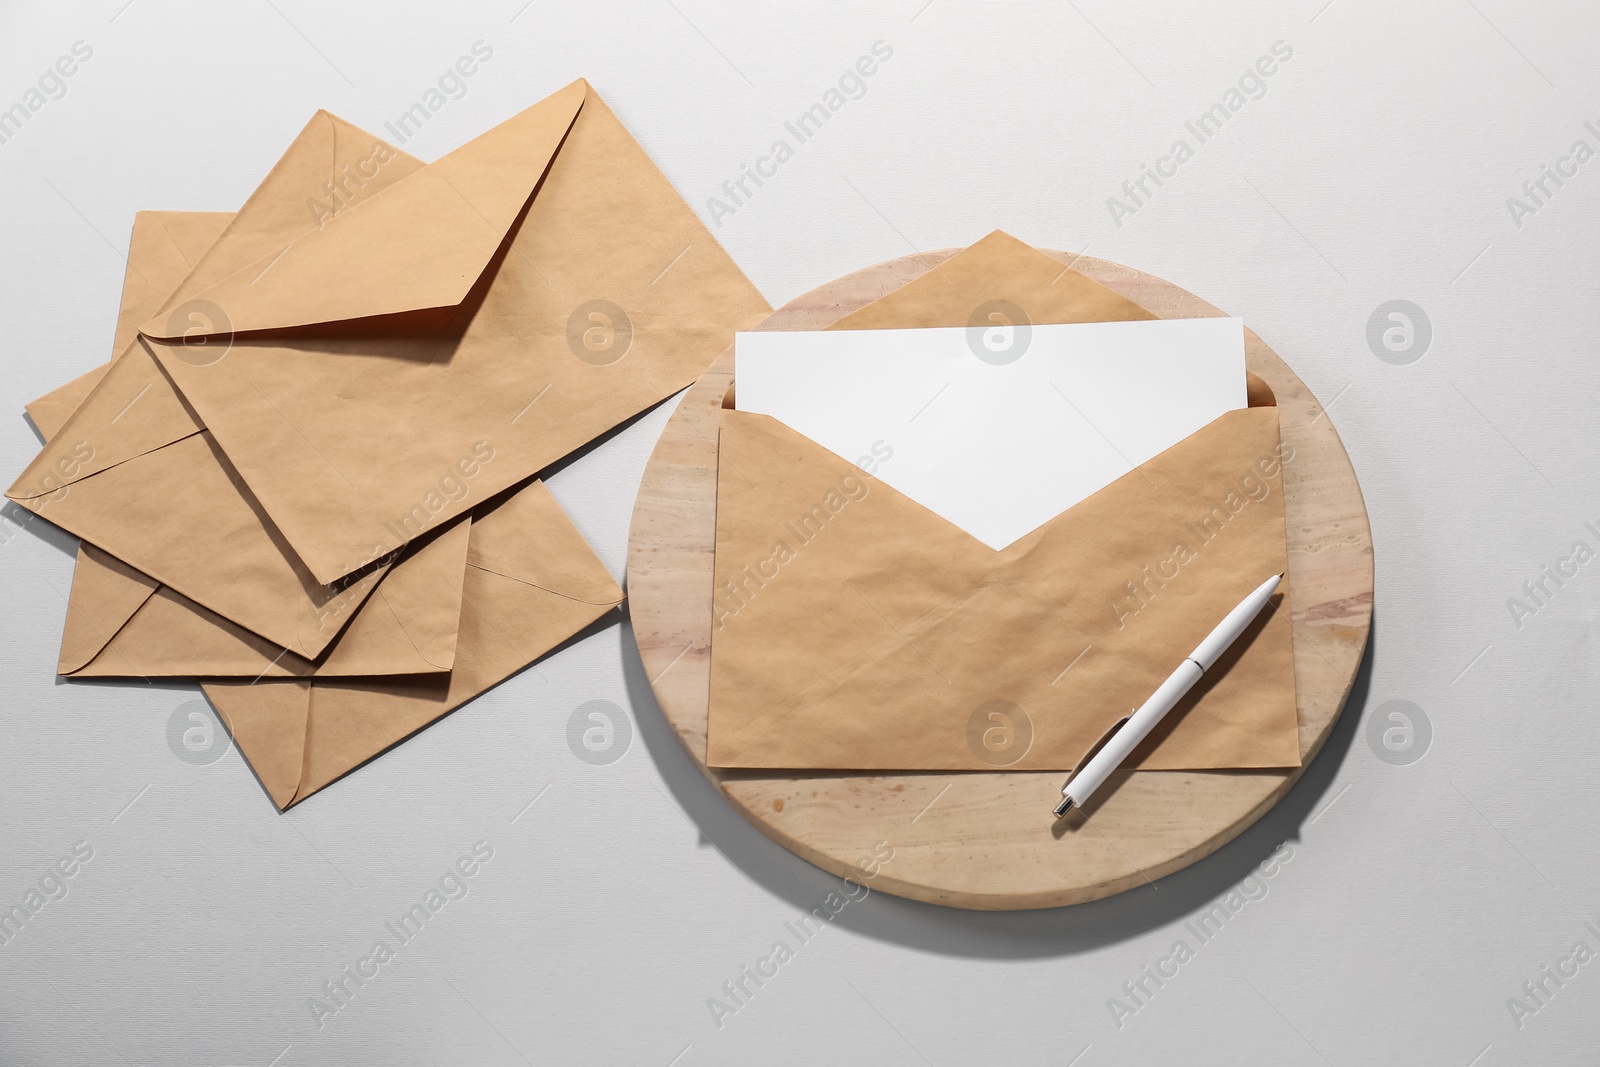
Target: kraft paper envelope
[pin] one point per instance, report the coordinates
(134, 473)
(857, 630)
(531, 583)
(123, 623)
(523, 294)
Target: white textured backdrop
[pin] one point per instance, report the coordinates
(1412, 899)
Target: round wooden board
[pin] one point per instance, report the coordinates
(981, 840)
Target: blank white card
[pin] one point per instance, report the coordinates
(998, 430)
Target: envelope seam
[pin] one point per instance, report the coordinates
(547, 589)
(108, 639)
(11, 494)
(366, 208)
(379, 593)
(305, 747)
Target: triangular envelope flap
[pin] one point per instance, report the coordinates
(408, 626)
(998, 275)
(133, 410)
(330, 168)
(171, 636)
(529, 538)
(424, 593)
(106, 593)
(423, 243)
(268, 722)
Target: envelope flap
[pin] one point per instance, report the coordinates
(331, 167)
(998, 275)
(422, 243)
(268, 723)
(529, 539)
(171, 636)
(408, 626)
(133, 410)
(106, 593)
(422, 594)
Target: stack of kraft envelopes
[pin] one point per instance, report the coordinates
(308, 477)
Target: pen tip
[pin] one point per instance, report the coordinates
(1063, 807)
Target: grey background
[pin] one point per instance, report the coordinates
(1420, 895)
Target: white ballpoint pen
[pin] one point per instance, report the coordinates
(1087, 779)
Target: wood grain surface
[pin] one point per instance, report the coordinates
(987, 840)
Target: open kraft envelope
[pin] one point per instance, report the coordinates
(882, 637)
(123, 623)
(128, 467)
(531, 583)
(522, 295)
